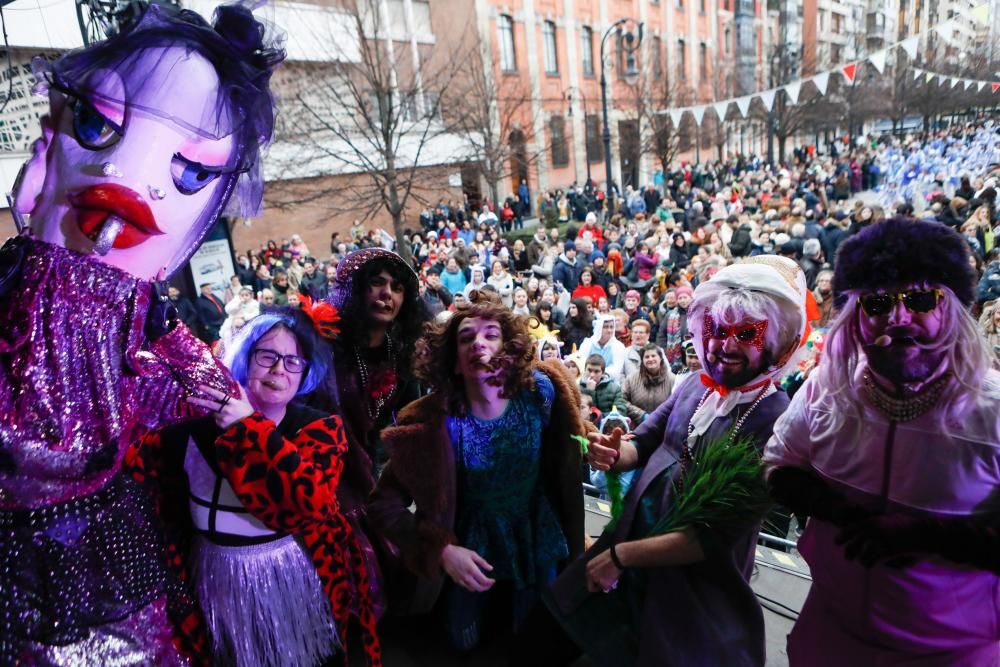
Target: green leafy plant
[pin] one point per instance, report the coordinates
(723, 487)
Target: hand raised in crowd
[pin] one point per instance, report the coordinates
(603, 450)
(602, 573)
(225, 409)
(467, 568)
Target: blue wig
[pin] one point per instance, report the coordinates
(299, 325)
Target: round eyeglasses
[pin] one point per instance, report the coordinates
(268, 358)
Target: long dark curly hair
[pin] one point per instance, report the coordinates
(435, 360)
(405, 328)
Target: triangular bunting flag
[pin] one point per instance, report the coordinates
(917, 73)
(743, 104)
(969, 84)
(699, 113)
(792, 90)
(878, 60)
(720, 109)
(941, 79)
(929, 76)
(995, 86)
(820, 81)
(981, 12)
(849, 71)
(767, 97)
(910, 46)
(944, 34)
(675, 117)
(982, 84)
(956, 82)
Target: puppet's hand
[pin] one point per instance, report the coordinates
(12, 263)
(162, 316)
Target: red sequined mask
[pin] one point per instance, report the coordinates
(751, 334)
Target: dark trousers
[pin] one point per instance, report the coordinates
(542, 642)
(467, 613)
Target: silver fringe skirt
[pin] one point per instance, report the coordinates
(264, 604)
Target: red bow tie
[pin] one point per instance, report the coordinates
(724, 391)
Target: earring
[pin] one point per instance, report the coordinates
(156, 193)
(109, 169)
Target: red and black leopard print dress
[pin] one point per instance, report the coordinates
(287, 479)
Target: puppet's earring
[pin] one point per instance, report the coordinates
(156, 193)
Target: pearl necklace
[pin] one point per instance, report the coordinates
(904, 409)
(687, 456)
(739, 422)
(381, 400)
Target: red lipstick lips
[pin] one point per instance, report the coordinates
(95, 204)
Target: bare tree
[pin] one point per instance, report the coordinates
(654, 96)
(494, 117)
(372, 111)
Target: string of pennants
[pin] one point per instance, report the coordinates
(821, 81)
(954, 81)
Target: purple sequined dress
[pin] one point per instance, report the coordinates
(80, 557)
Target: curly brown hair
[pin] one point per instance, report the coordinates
(436, 354)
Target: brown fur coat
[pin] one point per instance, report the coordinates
(421, 471)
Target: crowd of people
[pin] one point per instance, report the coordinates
(389, 432)
(618, 300)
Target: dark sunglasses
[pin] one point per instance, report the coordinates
(915, 301)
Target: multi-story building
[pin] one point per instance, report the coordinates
(692, 51)
(835, 34)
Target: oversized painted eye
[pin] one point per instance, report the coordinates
(190, 176)
(92, 129)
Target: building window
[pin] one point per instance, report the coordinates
(657, 58)
(836, 53)
(837, 23)
(549, 35)
(701, 7)
(703, 49)
(595, 145)
(727, 39)
(557, 128)
(508, 63)
(681, 59)
(587, 48)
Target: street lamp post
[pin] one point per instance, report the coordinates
(586, 143)
(630, 42)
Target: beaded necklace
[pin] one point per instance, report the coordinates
(381, 399)
(904, 409)
(687, 456)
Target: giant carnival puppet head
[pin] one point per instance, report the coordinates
(151, 136)
(903, 290)
(748, 322)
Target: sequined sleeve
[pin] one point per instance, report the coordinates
(172, 367)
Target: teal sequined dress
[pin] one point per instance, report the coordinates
(502, 512)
